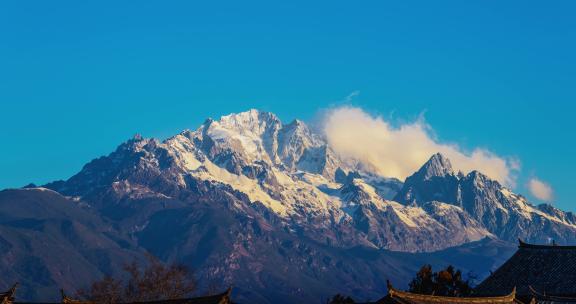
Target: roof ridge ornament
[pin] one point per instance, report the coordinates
(8, 297)
(521, 243)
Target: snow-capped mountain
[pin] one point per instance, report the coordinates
(291, 173)
(505, 214)
(246, 199)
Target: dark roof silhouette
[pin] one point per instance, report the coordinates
(540, 297)
(549, 269)
(222, 298)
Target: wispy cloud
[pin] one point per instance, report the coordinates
(400, 151)
(540, 189)
(351, 96)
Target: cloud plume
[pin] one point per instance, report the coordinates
(400, 151)
(540, 189)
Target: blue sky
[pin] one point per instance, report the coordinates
(78, 78)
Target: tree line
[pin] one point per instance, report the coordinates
(156, 281)
(447, 282)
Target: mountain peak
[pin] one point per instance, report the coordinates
(435, 181)
(481, 180)
(438, 165)
(297, 123)
(250, 116)
(251, 123)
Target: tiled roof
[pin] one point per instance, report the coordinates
(547, 268)
(401, 297)
(223, 298)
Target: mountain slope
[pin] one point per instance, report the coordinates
(49, 242)
(247, 200)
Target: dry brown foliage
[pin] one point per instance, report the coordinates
(151, 282)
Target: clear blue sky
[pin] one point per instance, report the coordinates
(76, 79)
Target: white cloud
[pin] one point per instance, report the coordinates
(540, 189)
(400, 151)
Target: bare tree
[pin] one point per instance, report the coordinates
(151, 282)
(341, 299)
(107, 290)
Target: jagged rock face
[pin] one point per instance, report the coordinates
(320, 160)
(503, 213)
(294, 140)
(139, 166)
(482, 197)
(239, 140)
(250, 136)
(407, 228)
(435, 181)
